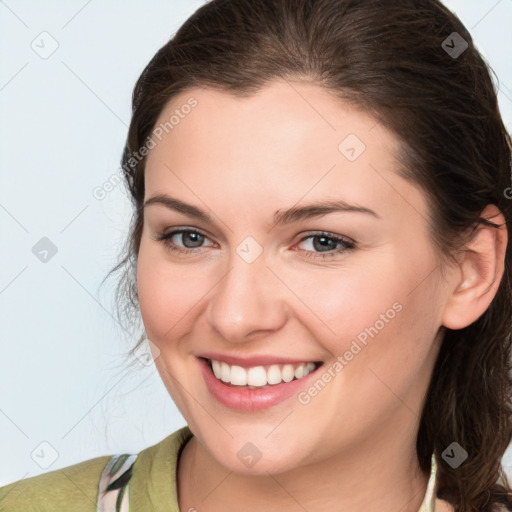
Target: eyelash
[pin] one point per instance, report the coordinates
(347, 244)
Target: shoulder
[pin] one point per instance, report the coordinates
(152, 480)
(70, 488)
(166, 452)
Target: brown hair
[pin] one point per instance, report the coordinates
(388, 58)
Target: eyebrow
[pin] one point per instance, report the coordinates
(293, 214)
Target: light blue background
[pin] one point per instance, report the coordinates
(64, 378)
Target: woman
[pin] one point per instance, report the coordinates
(320, 253)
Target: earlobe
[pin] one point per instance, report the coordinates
(479, 272)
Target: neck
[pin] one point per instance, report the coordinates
(380, 475)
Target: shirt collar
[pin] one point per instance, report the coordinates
(428, 504)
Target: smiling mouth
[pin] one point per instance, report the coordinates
(260, 377)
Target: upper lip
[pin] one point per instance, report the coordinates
(257, 360)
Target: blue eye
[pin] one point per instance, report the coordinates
(319, 245)
(326, 245)
(190, 240)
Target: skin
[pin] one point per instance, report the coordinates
(352, 447)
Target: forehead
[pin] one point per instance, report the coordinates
(280, 111)
(287, 141)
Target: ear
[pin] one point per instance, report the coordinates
(478, 274)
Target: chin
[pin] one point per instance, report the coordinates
(249, 453)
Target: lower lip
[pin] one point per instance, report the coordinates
(250, 400)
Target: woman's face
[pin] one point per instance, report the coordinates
(293, 244)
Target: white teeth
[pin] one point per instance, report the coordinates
(216, 369)
(288, 372)
(259, 376)
(238, 376)
(274, 374)
(225, 372)
(256, 376)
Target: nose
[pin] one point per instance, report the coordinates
(248, 301)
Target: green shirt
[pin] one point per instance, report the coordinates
(151, 483)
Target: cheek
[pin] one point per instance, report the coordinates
(167, 293)
(338, 304)
(380, 350)
(373, 313)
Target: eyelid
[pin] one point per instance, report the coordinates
(180, 228)
(166, 236)
(327, 234)
(348, 243)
